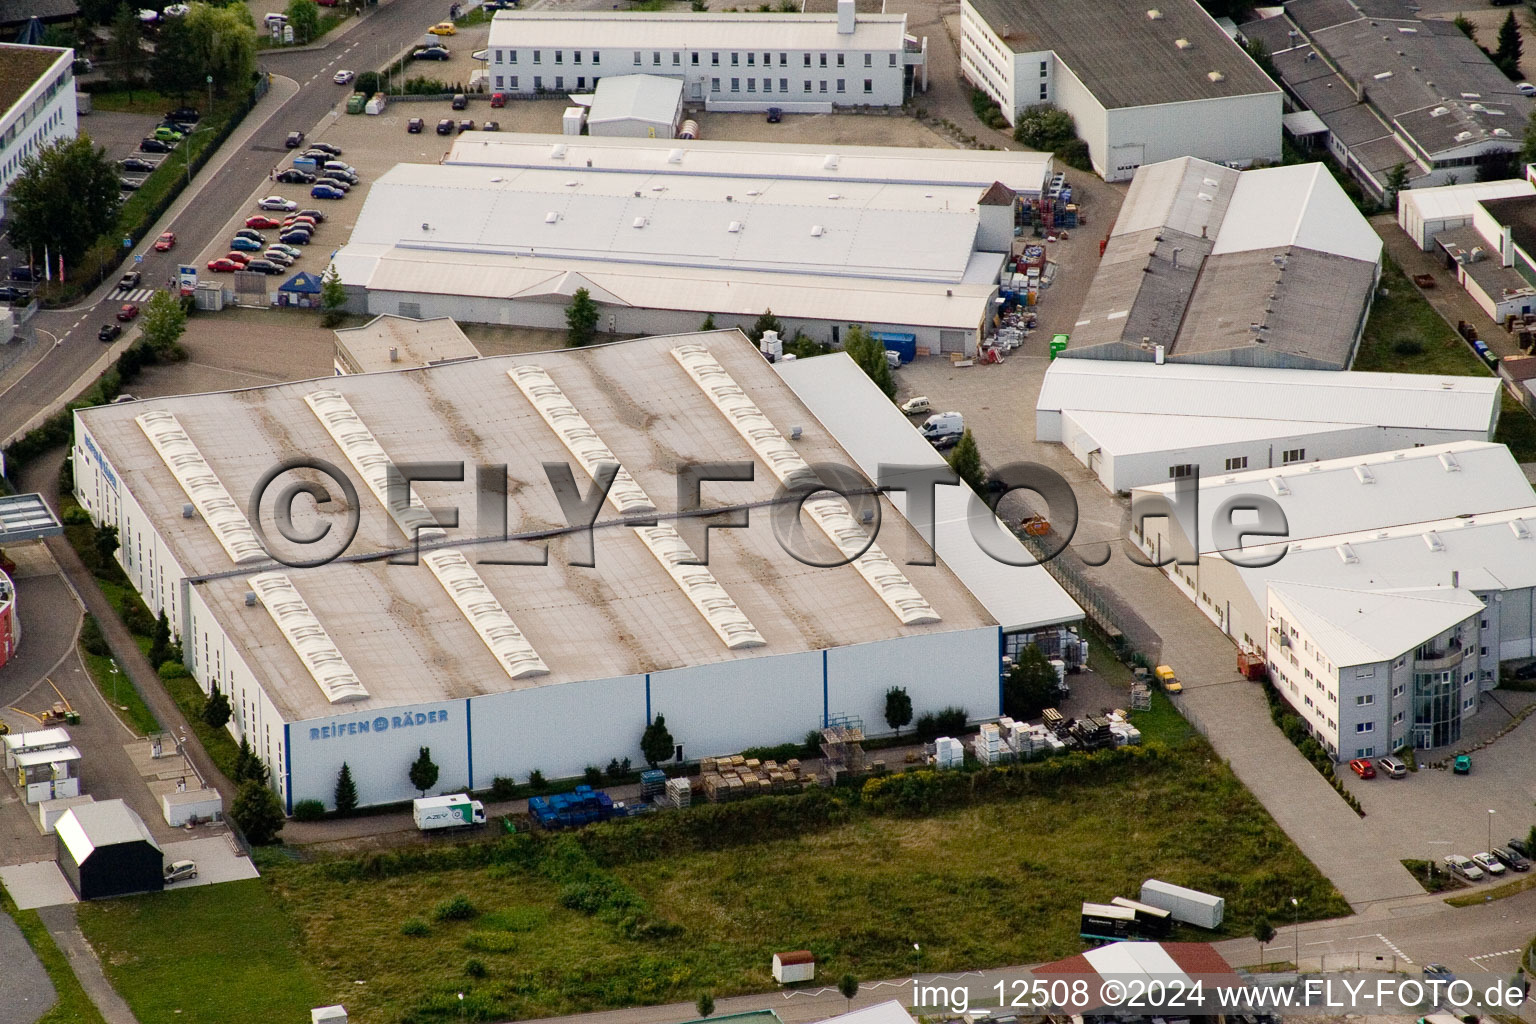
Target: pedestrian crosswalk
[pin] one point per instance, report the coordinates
(130, 294)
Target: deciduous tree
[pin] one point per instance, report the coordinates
(898, 708)
(304, 17)
(163, 322)
(1044, 126)
(257, 813)
(869, 353)
(65, 197)
(1263, 933)
(1030, 686)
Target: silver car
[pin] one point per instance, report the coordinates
(180, 870)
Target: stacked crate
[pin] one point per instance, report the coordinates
(653, 783)
(736, 777)
(948, 752)
(988, 745)
(679, 793)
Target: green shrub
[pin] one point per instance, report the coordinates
(593, 775)
(1075, 155)
(457, 909)
(308, 810)
(91, 638)
(414, 927)
(172, 669)
(503, 788)
(74, 515)
(474, 968)
(536, 781)
(1408, 347)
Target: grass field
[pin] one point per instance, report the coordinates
(73, 1006)
(211, 954)
(121, 695)
(977, 886)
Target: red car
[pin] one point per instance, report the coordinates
(260, 221)
(223, 265)
(241, 258)
(128, 312)
(1362, 767)
(166, 242)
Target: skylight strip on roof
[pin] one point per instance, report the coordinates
(485, 613)
(368, 457)
(578, 436)
(308, 637)
(831, 514)
(663, 541)
(202, 486)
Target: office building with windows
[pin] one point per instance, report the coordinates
(37, 105)
(804, 63)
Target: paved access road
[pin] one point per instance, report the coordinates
(377, 37)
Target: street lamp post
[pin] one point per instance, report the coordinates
(209, 79)
(1490, 831)
(113, 663)
(186, 152)
(1296, 932)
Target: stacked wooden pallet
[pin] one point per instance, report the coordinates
(737, 777)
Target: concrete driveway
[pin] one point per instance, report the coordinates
(28, 992)
(215, 858)
(37, 884)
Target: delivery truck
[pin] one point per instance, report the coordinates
(1188, 905)
(455, 811)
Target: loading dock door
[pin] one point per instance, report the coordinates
(952, 341)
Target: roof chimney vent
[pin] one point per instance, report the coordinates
(1182, 44)
(394, 354)
(1216, 76)
(1154, 14)
(186, 511)
(250, 598)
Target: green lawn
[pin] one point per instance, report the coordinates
(212, 954)
(220, 747)
(121, 694)
(139, 101)
(73, 1006)
(978, 886)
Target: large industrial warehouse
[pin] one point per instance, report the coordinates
(663, 234)
(1144, 82)
(1270, 267)
(503, 667)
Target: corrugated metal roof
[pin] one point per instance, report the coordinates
(1023, 171)
(1358, 627)
(636, 97)
(694, 30)
(1177, 394)
(88, 827)
(1449, 202)
(1300, 206)
(1373, 492)
(875, 433)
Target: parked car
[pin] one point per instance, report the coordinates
(340, 173)
(491, 126)
(335, 183)
(1438, 972)
(775, 115)
(344, 77)
(1462, 765)
(1463, 868)
(279, 257)
(1526, 89)
(184, 114)
(326, 192)
(414, 125)
(166, 242)
(460, 101)
(1488, 862)
(130, 279)
(264, 266)
(242, 244)
(129, 184)
(133, 163)
(445, 126)
(319, 156)
(498, 100)
(278, 203)
(178, 126)
(316, 214)
(1525, 672)
(165, 134)
(154, 146)
(109, 332)
(1392, 767)
(307, 223)
(326, 147)
(260, 221)
(294, 140)
(1510, 859)
(287, 250)
(295, 237)
(1362, 767)
(17, 296)
(180, 870)
(128, 311)
(238, 258)
(1520, 846)
(467, 125)
(431, 53)
(25, 274)
(223, 265)
(444, 28)
(250, 232)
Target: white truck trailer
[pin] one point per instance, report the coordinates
(454, 811)
(1188, 905)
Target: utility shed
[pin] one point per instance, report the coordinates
(799, 965)
(636, 106)
(1425, 212)
(104, 849)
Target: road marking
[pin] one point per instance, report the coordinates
(1491, 956)
(1395, 951)
(1320, 942)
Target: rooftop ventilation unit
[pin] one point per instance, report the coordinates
(1365, 475)
(1182, 44)
(1383, 76)
(1279, 486)
(1517, 527)
(734, 227)
(551, 217)
(1439, 111)
(187, 511)
(830, 162)
(1501, 133)
(557, 151)
(639, 222)
(816, 231)
(1476, 106)
(1449, 462)
(250, 599)
(1216, 76)
(202, 486)
(1463, 136)
(1347, 554)
(675, 156)
(1433, 542)
(1153, 14)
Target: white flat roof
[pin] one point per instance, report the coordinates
(855, 229)
(874, 432)
(1023, 171)
(636, 97)
(1172, 399)
(396, 626)
(36, 739)
(1364, 627)
(1299, 205)
(694, 30)
(85, 827)
(52, 755)
(1448, 202)
(412, 342)
(1372, 492)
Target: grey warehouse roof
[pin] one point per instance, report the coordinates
(88, 827)
(1126, 58)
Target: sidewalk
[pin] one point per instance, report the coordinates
(61, 924)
